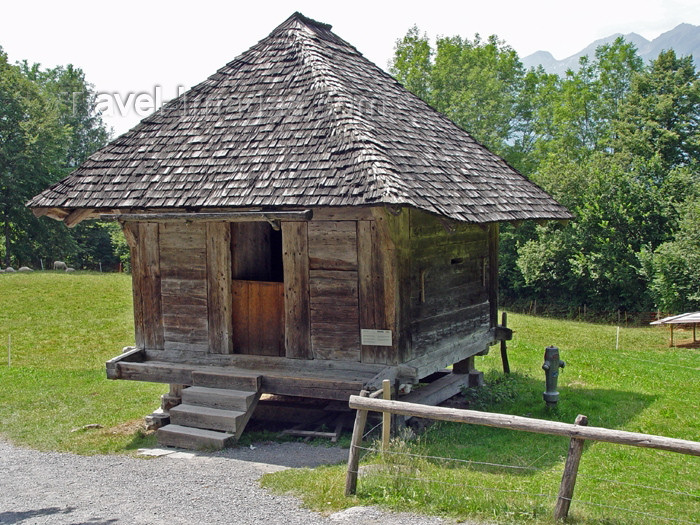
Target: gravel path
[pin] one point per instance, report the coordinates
(188, 488)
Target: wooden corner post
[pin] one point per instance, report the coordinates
(354, 455)
(568, 479)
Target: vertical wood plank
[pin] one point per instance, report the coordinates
(150, 289)
(392, 236)
(375, 276)
(493, 273)
(241, 341)
(219, 296)
(401, 236)
(295, 250)
(131, 232)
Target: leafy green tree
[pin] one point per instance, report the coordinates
(76, 99)
(474, 82)
(48, 126)
(661, 115)
(33, 143)
(673, 268)
(580, 108)
(412, 63)
(477, 83)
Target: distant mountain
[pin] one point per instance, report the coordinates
(684, 39)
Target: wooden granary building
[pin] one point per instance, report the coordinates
(300, 225)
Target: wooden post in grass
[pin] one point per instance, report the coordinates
(358, 430)
(386, 416)
(568, 479)
(504, 352)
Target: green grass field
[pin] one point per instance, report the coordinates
(65, 326)
(643, 387)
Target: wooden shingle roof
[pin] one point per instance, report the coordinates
(301, 119)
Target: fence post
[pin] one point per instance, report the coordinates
(568, 479)
(354, 455)
(386, 416)
(504, 350)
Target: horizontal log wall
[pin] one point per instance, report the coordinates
(183, 254)
(449, 283)
(333, 290)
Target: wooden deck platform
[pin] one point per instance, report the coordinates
(322, 379)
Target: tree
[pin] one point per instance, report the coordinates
(76, 99)
(32, 147)
(48, 126)
(619, 212)
(476, 83)
(661, 115)
(673, 268)
(412, 63)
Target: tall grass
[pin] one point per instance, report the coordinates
(63, 327)
(644, 387)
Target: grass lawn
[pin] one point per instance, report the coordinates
(643, 387)
(63, 327)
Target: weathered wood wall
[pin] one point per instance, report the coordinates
(450, 283)
(184, 284)
(295, 251)
(431, 282)
(143, 240)
(333, 288)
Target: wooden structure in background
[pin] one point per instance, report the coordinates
(302, 225)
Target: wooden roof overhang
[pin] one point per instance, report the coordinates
(274, 217)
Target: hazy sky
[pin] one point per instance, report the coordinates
(129, 47)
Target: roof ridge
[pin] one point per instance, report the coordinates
(309, 21)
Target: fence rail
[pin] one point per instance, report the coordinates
(578, 432)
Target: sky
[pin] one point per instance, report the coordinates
(155, 49)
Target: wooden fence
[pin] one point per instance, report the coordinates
(578, 432)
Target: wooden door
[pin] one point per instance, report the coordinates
(258, 317)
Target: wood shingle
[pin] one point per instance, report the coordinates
(301, 119)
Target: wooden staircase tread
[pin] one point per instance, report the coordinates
(193, 431)
(204, 410)
(226, 392)
(193, 438)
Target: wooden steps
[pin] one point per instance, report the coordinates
(218, 398)
(210, 418)
(205, 417)
(193, 438)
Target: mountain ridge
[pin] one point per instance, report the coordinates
(684, 39)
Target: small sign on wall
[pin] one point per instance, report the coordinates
(372, 337)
